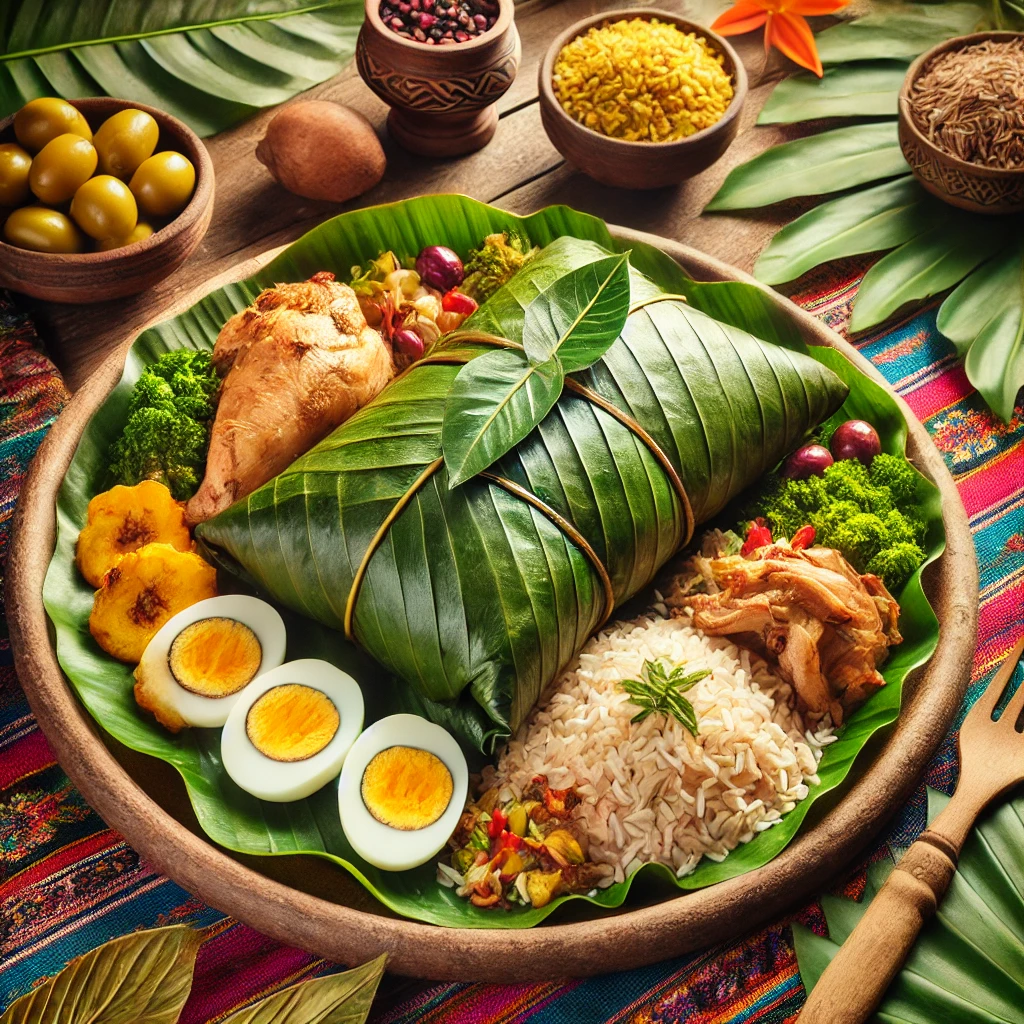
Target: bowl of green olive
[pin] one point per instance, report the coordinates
(99, 198)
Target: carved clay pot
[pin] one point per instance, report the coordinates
(441, 97)
(991, 190)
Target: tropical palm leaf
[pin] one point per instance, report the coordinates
(968, 963)
(924, 266)
(863, 89)
(240, 822)
(817, 165)
(869, 221)
(899, 32)
(209, 63)
(937, 247)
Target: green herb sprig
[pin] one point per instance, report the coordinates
(660, 692)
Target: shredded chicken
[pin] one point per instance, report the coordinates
(296, 364)
(826, 627)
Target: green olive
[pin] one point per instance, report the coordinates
(44, 230)
(163, 184)
(105, 208)
(141, 230)
(124, 140)
(44, 119)
(14, 167)
(60, 167)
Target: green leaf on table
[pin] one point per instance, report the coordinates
(141, 978)
(209, 63)
(968, 963)
(495, 401)
(926, 265)
(849, 90)
(900, 33)
(343, 998)
(868, 221)
(984, 318)
(578, 318)
(822, 163)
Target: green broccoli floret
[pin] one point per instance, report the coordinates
(500, 257)
(897, 474)
(848, 480)
(895, 565)
(169, 415)
(860, 538)
(868, 516)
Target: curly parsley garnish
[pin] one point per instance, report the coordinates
(660, 692)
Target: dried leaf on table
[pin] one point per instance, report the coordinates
(141, 978)
(343, 998)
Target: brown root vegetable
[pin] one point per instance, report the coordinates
(322, 150)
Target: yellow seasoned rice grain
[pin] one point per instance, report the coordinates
(642, 80)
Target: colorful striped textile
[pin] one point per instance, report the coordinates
(67, 883)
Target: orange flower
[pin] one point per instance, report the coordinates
(785, 25)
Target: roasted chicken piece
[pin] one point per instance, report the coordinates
(296, 364)
(825, 626)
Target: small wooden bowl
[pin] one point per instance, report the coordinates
(441, 97)
(639, 164)
(969, 186)
(99, 276)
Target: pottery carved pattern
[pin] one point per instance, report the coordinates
(993, 191)
(438, 96)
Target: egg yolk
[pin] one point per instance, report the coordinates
(406, 788)
(215, 657)
(292, 722)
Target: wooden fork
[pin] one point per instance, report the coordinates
(991, 762)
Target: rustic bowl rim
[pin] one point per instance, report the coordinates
(194, 209)
(631, 146)
(907, 121)
(506, 15)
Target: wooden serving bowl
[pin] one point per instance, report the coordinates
(639, 164)
(308, 902)
(441, 97)
(969, 186)
(99, 276)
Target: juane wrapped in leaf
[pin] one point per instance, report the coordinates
(477, 595)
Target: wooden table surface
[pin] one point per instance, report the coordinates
(519, 170)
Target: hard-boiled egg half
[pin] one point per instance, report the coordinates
(198, 663)
(402, 792)
(289, 732)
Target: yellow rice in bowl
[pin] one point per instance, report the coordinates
(642, 81)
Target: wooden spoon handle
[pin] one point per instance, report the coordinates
(854, 983)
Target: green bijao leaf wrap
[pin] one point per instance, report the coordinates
(239, 822)
(471, 594)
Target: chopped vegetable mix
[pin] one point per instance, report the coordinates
(496, 261)
(168, 428)
(867, 514)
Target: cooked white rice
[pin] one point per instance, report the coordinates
(652, 791)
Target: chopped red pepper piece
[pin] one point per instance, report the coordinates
(499, 819)
(510, 841)
(758, 535)
(455, 301)
(803, 538)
